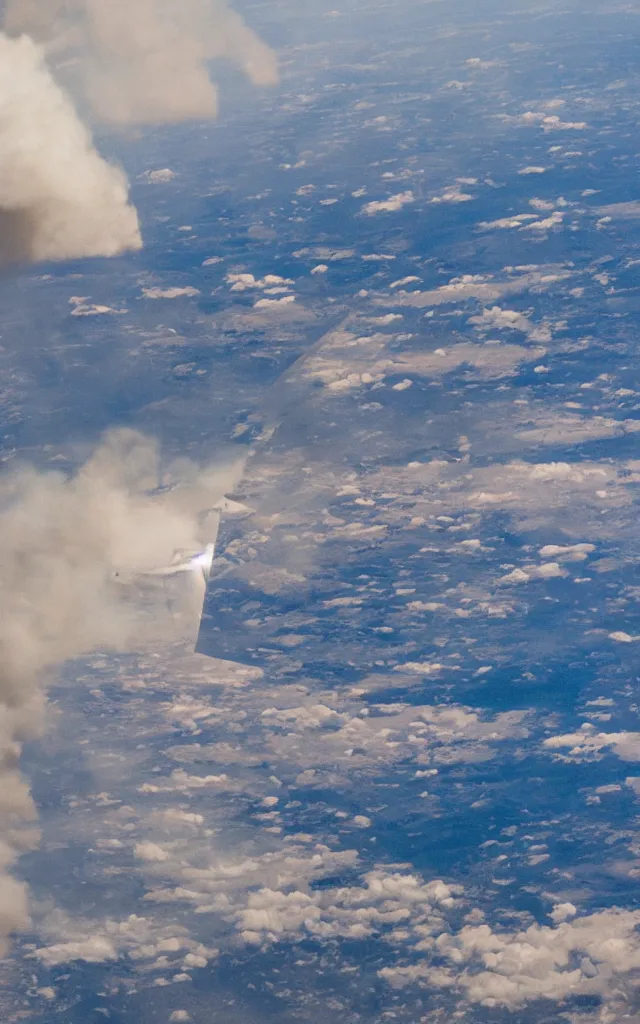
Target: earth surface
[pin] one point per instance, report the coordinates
(399, 779)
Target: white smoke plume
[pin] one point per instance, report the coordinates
(134, 62)
(58, 197)
(146, 61)
(62, 539)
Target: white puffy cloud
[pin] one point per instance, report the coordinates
(546, 571)
(567, 552)
(587, 743)
(548, 122)
(581, 956)
(241, 282)
(150, 852)
(383, 900)
(621, 637)
(174, 292)
(138, 937)
(554, 220)
(390, 205)
(273, 304)
(496, 318)
(92, 949)
(453, 194)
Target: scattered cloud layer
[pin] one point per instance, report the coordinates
(582, 956)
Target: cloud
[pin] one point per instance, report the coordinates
(453, 194)
(58, 198)
(506, 222)
(261, 900)
(173, 292)
(623, 211)
(145, 61)
(588, 744)
(500, 319)
(485, 288)
(546, 571)
(548, 122)
(160, 176)
(390, 205)
(382, 900)
(329, 746)
(270, 282)
(567, 552)
(61, 540)
(554, 220)
(344, 361)
(584, 956)
(132, 62)
(286, 300)
(101, 942)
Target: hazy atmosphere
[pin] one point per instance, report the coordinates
(318, 511)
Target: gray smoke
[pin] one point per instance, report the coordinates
(62, 538)
(134, 62)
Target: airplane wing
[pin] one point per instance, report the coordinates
(196, 563)
(192, 561)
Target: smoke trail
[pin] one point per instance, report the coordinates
(58, 197)
(145, 61)
(61, 538)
